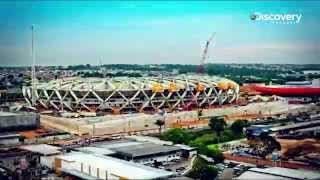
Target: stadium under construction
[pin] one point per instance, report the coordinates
(125, 95)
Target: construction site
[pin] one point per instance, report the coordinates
(141, 123)
(87, 122)
(127, 95)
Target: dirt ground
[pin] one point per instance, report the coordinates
(305, 146)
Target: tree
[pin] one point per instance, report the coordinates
(237, 126)
(217, 124)
(199, 113)
(177, 136)
(215, 153)
(202, 170)
(160, 123)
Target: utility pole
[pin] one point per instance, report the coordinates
(33, 70)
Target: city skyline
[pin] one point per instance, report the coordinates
(114, 32)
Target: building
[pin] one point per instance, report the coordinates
(148, 153)
(10, 139)
(10, 121)
(46, 153)
(291, 89)
(296, 126)
(278, 173)
(125, 95)
(187, 151)
(138, 151)
(20, 164)
(89, 166)
(142, 152)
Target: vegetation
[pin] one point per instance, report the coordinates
(118, 74)
(238, 125)
(206, 140)
(215, 153)
(217, 124)
(240, 73)
(202, 170)
(177, 136)
(160, 123)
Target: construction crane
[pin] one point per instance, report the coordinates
(200, 71)
(33, 70)
(205, 54)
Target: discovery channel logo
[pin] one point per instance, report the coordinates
(277, 18)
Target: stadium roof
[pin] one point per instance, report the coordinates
(128, 83)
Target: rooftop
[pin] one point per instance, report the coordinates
(149, 139)
(43, 149)
(279, 173)
(9, 135)
(77, 173)
(253, 175)
(296, 125)
(7, 113)
(117, 144)
(128, 83)
(145, 149)
(4, 113)
(115, 166)
(95, 150)
(185, 147)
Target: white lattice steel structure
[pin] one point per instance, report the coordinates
(132, 94)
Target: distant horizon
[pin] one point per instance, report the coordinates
(95, 65)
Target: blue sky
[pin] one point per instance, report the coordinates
(151, 32)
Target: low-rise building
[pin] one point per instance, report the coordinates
(9, 139)
(146, 153)
(20, 164)
(10, 121)
(275, 173)
(90, 166)
(46, 153)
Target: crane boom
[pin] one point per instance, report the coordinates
(205, 51)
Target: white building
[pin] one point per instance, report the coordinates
(275, 173)
(47, 153)
(103, 167)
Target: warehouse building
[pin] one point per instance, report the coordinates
(147, 153)
(89, 166)
(278, 173)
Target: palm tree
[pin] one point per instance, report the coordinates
(217, 124)
(159, 123)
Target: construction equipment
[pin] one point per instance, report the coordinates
(200, 70)
(205, 54)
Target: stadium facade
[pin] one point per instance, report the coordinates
(126, 94)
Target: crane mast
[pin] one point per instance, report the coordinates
(33, 70)
(205, 53)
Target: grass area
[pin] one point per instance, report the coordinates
(212, 137)
(206, 141)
